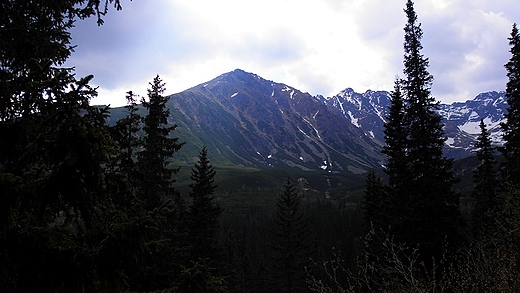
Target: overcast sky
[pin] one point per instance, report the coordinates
(316, 46)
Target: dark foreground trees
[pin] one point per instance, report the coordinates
(58, 221)
(423, 210)
(203, 212)
(158, 148)
(376, 204)
(71, 220)
(507, 216)
(291, 243)
(425, 207)
(83, 212)
(486, 183)
(511, 148)
(435, 210)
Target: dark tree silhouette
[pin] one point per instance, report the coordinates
(154, 190)
(485, 179)
(153, 164)
(292, 242)
(511, 128)
(126, 135)
(376, 203)
(397, 165)
(421, 178)
(58, 225)
(203, 212)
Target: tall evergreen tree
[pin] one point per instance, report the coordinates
(126, 134)
(203, 211)
(158, 148)
(505, 231)
(291, 243)
(395, 149)
(156, 194)
(396, 138)
(165, 252)
(485, 179)
(433, 205)
(511, 128)
(376, 204)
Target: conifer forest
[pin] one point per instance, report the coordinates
(92, 207)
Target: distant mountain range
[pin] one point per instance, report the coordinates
(248, 121)
(368, 111)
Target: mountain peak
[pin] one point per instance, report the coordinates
(239, 74)
(348, 91)
(247, 120)
(241, 71)
(248, 95)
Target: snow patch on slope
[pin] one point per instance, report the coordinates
(353, 119)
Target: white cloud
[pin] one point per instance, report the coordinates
(317, 46)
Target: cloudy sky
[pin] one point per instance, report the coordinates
(316, 46)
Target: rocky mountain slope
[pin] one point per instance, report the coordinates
(246, 120)
(461, 119)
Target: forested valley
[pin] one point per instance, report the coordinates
(92, 207)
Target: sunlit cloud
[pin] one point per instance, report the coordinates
(317, 46)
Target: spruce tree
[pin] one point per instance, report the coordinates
(156, 194)
(158, 148)
(396, 167)
(126, 134)
(507, 219)
(203, 211)
(376, 204)
(396, 138)
(511, 128)
(433, 205)
(485, 179)
(291, 243)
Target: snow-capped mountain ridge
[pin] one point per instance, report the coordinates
(490, 107)
(368, 111)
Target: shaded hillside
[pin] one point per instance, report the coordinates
(245, 120)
